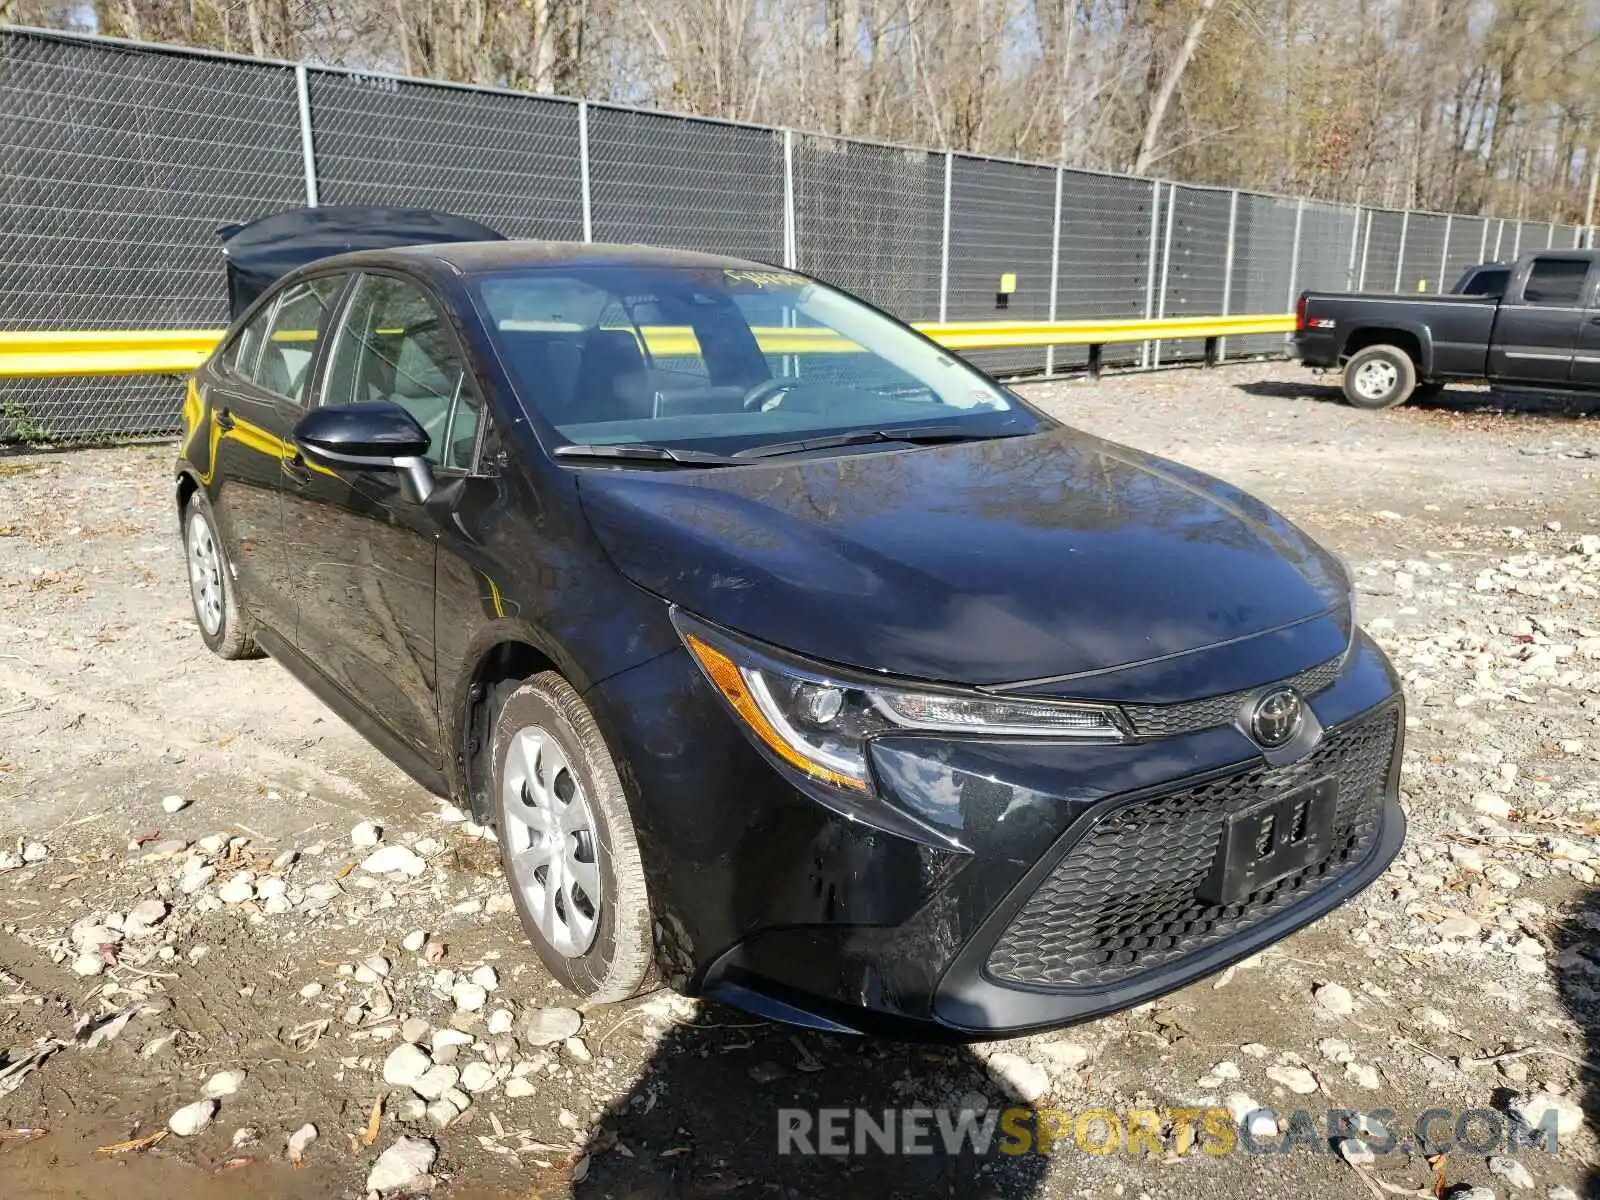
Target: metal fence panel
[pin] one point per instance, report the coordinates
(1105, 254)
(1263, 255)
(1330, 236)
(870, 219)
(698, 185)
(1194, 275)
(1002, 218)
(506, 160)
(1424, 251)
(1466, 247)
(1380, 250)
(117, 167)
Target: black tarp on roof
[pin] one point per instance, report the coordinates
(263, 251)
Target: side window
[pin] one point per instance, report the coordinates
(290, 341)
(393, 345)
(1556, 281)
(242, 355)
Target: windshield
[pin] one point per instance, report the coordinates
(723, 359)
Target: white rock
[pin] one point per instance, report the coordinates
(415, 1029)
(223, 1084)
(88, 964)
(1458, 927)
(371, 970)
(448, 1036)
(1020, 1079)
(196, 877)
(35, 852)
(443, 1113)
(548, 1026)
(577, 1050)
(1068, 1056)
(1537, 1109)
(388, 859)
(1493, 805)
(486, 978)
(240, 886)
(144, 916)
(267, 889)
(300, 1141)
(414, 941)
(477, 1077)
(1297, 1079)
(366, 835)
(406, 1064)
(1246, 1112)
(404, 1166)
(173, 804)
(468, 997)
(436, 1081)
(1467, 858)
(1363, 1076)
(1356, 1152)
(311, 991)
(1334, 999)
(1513, 1172)
(192, 1118)
(501, 1021)
(519, 1088)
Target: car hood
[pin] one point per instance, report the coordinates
(1029, 558)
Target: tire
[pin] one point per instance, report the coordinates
(1379, 377)
(225, 626)
(552, 771)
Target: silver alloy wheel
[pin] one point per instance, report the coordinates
(205, 574)
(551, 841)
(1376, 379)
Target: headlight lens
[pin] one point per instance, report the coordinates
(821, 725)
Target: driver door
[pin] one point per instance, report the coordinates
(365, 555)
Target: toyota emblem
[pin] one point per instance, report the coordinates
(1277, 717)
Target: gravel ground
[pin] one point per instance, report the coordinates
(224, 917)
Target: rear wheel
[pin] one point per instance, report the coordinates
(1379, 377)
(226, 628)
(567, 841)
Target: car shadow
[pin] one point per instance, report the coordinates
(705, 1117)
(1576, 958)
(1465, 399)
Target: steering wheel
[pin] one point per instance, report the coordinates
(767, 394)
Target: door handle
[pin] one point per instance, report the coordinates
(224, 420)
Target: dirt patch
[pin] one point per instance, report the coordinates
(279, 955)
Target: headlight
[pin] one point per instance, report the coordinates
(821, 725)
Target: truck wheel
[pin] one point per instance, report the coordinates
(1379, 377)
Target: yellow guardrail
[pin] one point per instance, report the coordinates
(45, 354)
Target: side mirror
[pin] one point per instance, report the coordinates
(375, 435)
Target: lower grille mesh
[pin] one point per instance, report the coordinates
(1124, 899)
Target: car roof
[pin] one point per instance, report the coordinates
(471, 258)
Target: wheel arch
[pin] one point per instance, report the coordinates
(511, 656)
(1415, 340)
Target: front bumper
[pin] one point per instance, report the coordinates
(1018, 911)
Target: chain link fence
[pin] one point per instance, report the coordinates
(119, 162)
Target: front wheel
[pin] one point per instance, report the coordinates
(1379, 377)
(567, 841)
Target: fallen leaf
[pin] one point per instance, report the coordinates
(133, 1144)
(22, 1135)
(370, 1133)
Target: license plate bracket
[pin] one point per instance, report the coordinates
(1271, 840)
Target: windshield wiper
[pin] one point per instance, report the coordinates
(639, 452)
(917, 435)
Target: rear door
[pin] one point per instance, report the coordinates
(1536, 329)
(363, 555)
(255, 394)
(1586, 353)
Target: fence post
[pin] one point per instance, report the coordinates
(308, 153)
(1294, 253)
(1166, 266)
(1400, 258)
(944, 250)
(791, 233)
(1150, 267)
(1366, 245)
(1516, 242)
(1227, 269)
(1444, 254)
(583, 169)
(1483, 242)
(1055, 272)
(1355, 244)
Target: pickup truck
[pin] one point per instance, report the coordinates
(1543, 334)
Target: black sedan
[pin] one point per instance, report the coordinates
(795, 662)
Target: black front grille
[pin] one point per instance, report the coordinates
(1191, 716)
(1125, 899)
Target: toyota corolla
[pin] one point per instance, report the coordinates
(795, 662)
